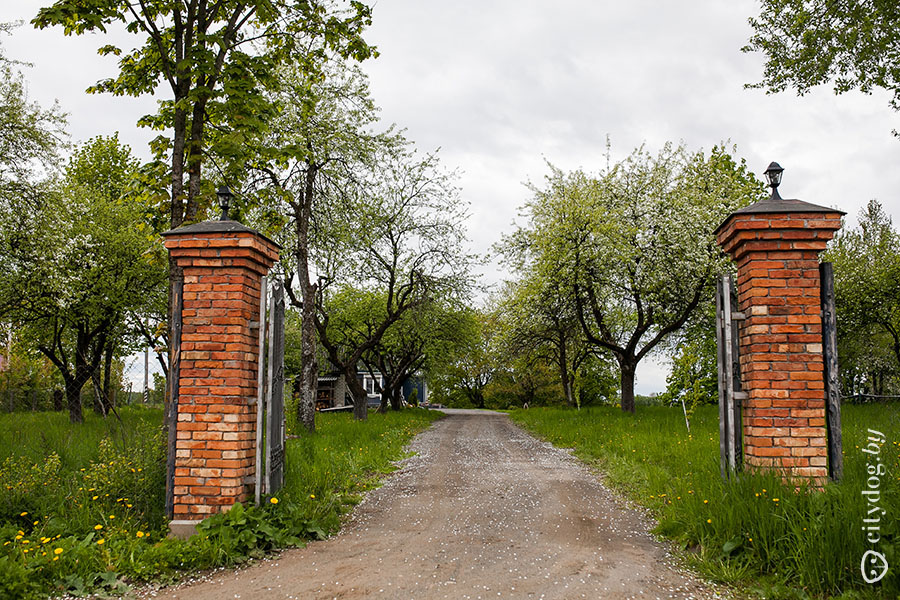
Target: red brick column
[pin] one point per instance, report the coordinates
(223, 263)
(776, 245)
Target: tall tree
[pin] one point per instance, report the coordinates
(77, 262)
(398, 233)
(541, 321)
(216, 59)
(318, 146)
(636, 244)
(30, 136)
(853, 44)
(867, 296)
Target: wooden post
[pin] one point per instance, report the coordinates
(832, 382)
(260, 388)
(720, 363)
(172, 406)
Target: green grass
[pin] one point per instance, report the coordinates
(36, 435)
(327, 472)
(754, 531)
(81, 507)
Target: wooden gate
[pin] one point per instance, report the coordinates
(270, 432)
(730, 391)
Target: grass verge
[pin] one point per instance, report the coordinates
(81, 507)
(754, 532)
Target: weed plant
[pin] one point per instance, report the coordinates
(752, 530)
(81, 507)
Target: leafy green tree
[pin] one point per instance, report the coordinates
(540, 320)
(853, 44)
(635, 244)
(320, 143)
(396, 236)
(77, 263)
(694, 378)
(463, 380)
(30, 136)
(420, 342)
(867, 296)
(216, 59)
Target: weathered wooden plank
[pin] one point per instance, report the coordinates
(728, 365)
(172, 412)
(260, 387)
(275, 393)
(720, 364)
(737, 395)
(832, 383)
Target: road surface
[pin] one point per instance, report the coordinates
(484, 510)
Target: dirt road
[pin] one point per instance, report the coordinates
(483, 510)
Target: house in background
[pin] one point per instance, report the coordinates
(332, 391)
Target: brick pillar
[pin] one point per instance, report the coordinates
(223, 263)
(776, 245)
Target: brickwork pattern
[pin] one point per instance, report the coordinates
(782, 365)
(216, 421)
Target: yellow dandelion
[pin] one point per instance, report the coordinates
(709, 520)
(101, 541)
(98, 527)
(112, 516)
(55, 558)
(140, 534)
(95, 497)
(273, 500)
(313, 496)
(706, 502)
(23, 514)
(774, 499)
(58, 551)
(128, 505)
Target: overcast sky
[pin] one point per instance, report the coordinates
(501, 86)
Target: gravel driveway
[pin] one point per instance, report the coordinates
(483, 510)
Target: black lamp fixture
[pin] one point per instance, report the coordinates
(773, 175)
(224, 195)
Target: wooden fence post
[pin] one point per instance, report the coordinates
(832, 382)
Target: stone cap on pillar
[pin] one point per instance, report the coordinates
(795, 224)
(216, 241)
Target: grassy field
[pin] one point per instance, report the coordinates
(754, 532)
(81, 507)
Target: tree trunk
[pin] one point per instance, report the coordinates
(385, 398)
(58, 397)
(628, 366)
(396, 392)
(360, 398)
(309, 369)
(73, 400)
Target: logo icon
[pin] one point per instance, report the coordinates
(874, 566)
